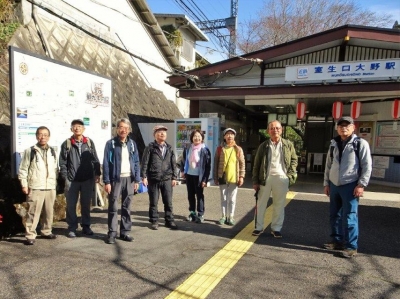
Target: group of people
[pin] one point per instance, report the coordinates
(347, 172)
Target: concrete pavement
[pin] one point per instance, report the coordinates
(158, 262)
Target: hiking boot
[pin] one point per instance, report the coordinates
(171, 225)
(200, 219)
(276, 234)
(222, 220)
(86, 230)
(126, 238)
(154, 225)
(348, 253)
(333, 246)
(256, 232)
(71, 235)
(192, 216)
(110, 240)
(231, 222)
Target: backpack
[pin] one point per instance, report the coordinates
(113, 147)
(60, 185)
(69, 145)
(33, 153)
(356, 146)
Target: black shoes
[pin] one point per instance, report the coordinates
(126, 238)
(50, 237)
(171, 225)
(256, 232)
(86, 230)
(110, 240)
(29, 241)
(276, 234)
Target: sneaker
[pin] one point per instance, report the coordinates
(348, 253)
(191, 217)
(222, 220)
(276, 234)
(154, 225)
(71, 234)
(126, 238)
(333, 246)
(171, 225)
(200, 219)
(110, 240)
(231, 221)
(86, 230)
(256, 232)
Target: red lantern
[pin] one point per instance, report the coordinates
(396, 109)
(355, 109)
(337, 110)
(300, 110)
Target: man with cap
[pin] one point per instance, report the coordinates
(158, 172)
(347, 172)
(80, 167)
(229, 172)
(121, 176)
(274, 170)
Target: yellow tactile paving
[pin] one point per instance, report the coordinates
(206, 278)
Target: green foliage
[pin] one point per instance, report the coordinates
(173, 35)
(8, 22)
(6, 32)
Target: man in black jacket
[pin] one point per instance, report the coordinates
(159, 174)
(80, 167)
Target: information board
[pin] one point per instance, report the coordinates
(387, 139)
(46, 92)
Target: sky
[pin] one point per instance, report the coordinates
(247, 9)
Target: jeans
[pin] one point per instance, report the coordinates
(343, 214)
(154, 190)
(125, 189)
(194, 190)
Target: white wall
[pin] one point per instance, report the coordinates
(118, 19)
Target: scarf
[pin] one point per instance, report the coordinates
(195, 156)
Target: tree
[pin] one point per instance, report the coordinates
(281, 21)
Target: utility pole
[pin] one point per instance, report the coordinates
(230, 23)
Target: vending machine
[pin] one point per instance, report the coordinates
(209, 126)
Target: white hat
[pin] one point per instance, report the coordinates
(229, 129)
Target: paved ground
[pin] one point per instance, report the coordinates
(158, 262)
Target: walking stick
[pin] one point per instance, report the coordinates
(255, 209)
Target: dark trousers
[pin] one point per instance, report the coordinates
(83, 191)
(125, 189)
(154, 190)
(194, 190)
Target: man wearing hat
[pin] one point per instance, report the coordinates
(158, 172)
(347, 172)
(80, 167)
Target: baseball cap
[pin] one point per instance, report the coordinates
(159, 127)
(229, 129)
(77, 121)
(345, 119)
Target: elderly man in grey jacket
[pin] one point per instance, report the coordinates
(347, 172)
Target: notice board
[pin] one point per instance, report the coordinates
(46, 92)
(387, 139)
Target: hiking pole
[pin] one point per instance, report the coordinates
(255, 209)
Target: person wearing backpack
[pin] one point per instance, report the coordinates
(347, 172)
(80, 168)
(121, 176)
(38, 176)
(158, 172)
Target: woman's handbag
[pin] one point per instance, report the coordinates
(222, 181)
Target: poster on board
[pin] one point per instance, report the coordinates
(46, 92)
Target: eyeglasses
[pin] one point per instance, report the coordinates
(344, 126)
(76, 126)
(43, 135)
(275, 128)
(123, 128)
